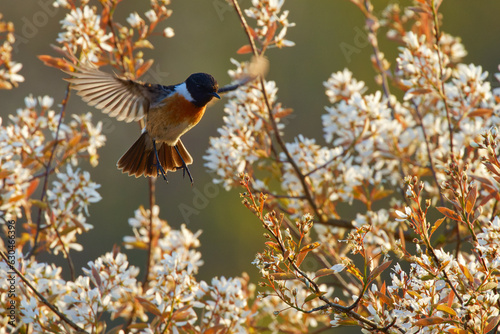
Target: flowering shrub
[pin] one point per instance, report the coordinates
(422, 254)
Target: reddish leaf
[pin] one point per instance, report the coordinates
(449, 213)
(471, 199)
(451, 296)
(144, 68)
(59, 63)
(436, 225)
(273, 245)
(271, 32)
(300, 257)
(384, 299)
(32, 187)
(303, 252)
(244, 49)
(378, 194)
(283, 112)
(253, 33)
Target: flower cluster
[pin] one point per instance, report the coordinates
(36, 143)
(422, 172)
(435, 133)
(253, 113)
(95, 36)
(245, 136)
(269, 15)
(9, 76)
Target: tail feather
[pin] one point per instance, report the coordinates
(140, 158)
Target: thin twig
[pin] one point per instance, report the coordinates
(41, 297)
(48, 171)
(376, 52)
(281, 143)
(429, 153)
(442, 92)
(66, 253)
(152, 200)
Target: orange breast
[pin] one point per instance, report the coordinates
(174, 117)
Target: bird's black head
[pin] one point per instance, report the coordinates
(202, 88)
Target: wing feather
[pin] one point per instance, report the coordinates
(119, 97)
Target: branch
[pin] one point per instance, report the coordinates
(41, 297)
(281, 143)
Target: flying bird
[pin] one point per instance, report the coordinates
(169, 112)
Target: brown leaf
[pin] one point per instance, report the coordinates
(215, 329)
(323, 272)
(377, 271)
(481, 112)
(488, 286)
(97, 277)
(492, 323)
(449, 213)
(283, 112)
(313, 296)
(378, 194)
(429, 321)
(148, 306)
(273, 245)
(4, 174)
(310, 247)
(282, 276)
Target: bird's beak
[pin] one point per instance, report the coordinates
(216, 95)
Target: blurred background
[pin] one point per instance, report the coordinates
(207, 35)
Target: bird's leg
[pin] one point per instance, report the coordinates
(159, 167)
(184, 166)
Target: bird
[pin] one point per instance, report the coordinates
(169, 112)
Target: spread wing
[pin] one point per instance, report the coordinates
(122, 98)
